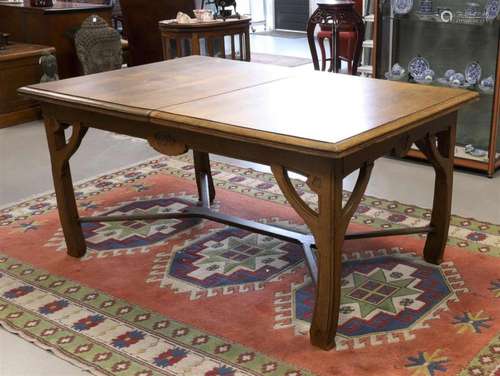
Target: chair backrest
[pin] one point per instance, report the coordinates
(141, 19)
(98, 46)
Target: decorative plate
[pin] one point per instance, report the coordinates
(473, 73)
(417, 66)
(492, 9)
(402, 6)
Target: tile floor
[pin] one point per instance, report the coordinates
(25, 170)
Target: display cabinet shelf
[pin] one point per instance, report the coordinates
(442, 44)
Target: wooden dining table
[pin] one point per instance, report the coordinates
(323, 126)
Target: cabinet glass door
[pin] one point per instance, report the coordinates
(457, 41)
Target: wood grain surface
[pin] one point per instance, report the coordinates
(331, 113)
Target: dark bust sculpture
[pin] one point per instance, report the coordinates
(49, 68)
(98, 46)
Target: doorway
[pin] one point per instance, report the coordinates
(291, 14)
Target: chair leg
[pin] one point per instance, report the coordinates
(338, 65)
(321, 42)
(330, 41)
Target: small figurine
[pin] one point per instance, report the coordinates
(487, 85)
(49, 67)
(478, 153)
(221, 6)
(396, 74)
(457, 80)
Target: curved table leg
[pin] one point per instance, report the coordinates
(328, 225)
(441, 158)
(60, 153)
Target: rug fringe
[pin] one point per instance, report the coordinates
(54, 351)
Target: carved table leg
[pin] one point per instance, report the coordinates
(441, 158)
(202, 170)
(328, 225)
(60, 153)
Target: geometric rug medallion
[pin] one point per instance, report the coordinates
(392, 295)
(101, 236)
(117, 238)
(229, 260)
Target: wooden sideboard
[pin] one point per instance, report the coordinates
(53, 26)
(19, 67)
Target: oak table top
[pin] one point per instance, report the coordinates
(322, 125)
(261, 102)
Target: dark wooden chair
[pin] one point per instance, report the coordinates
(140, 21)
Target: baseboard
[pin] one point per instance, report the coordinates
(21, 116)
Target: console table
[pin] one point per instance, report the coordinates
(208, 36)
(54, 26)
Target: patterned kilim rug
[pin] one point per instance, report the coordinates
(198, 298)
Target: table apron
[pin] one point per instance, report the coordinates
(258, 151)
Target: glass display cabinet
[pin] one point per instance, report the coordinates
(451, 43)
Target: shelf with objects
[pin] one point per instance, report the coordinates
(451, 43)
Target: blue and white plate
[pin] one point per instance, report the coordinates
(473, 73)
(417, 66)
(402, 6)
(492, 9)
